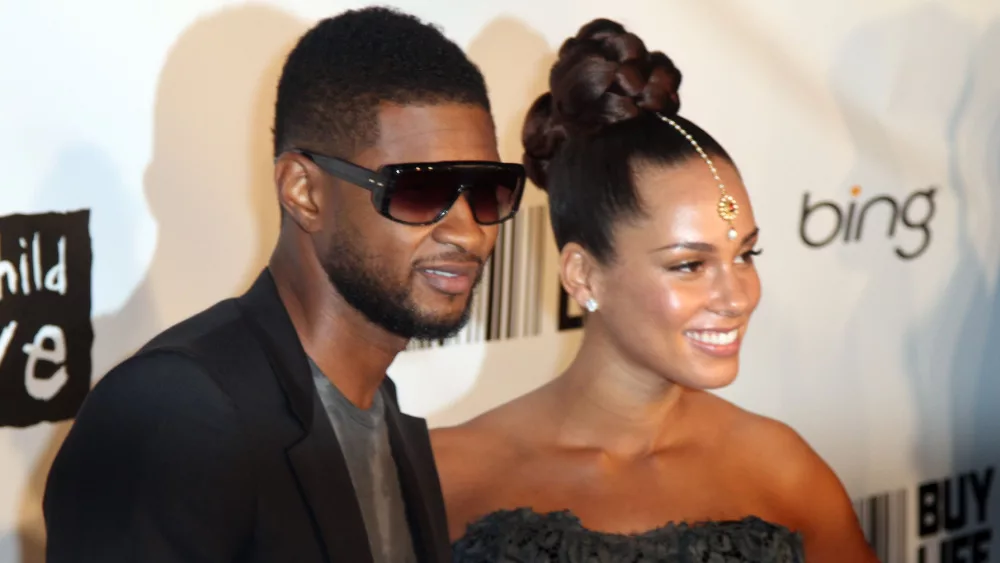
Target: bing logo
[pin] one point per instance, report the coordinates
(825, 221)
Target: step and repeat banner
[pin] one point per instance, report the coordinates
(134, 140)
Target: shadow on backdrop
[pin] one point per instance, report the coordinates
(82, 176)
(209, 187)
(945, 133)
(968, 315)
(894, 108)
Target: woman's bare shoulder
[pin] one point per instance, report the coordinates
(765, 448)
(805, 490)
(471, 459)
(490, 435)
(469, 452)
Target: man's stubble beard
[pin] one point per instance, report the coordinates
(366, 287)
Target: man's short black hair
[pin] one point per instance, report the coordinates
(341, 69)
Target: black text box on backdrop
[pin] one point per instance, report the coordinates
(45, 329)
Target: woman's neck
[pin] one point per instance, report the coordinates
(607, 402)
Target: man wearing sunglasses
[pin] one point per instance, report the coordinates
(264, 429)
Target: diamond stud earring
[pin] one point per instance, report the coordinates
(590, 305)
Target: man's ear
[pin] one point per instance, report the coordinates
(297, 179)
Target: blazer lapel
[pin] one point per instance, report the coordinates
(322, 472)
(316, 459)
(418, 479)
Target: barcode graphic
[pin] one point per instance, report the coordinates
(883, 519)
(508, 303)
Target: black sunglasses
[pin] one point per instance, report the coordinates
(422, 193)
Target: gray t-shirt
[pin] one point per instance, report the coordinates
(364, 439)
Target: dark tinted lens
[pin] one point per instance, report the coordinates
(420, 196)
(492, 195)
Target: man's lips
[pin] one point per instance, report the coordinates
(452, 278)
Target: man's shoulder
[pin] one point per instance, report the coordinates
(202, 332)
(218, 340)
(204, 354)
(152, 382)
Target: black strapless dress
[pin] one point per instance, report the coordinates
(525, 536)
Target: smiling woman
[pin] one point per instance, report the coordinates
(627, 454)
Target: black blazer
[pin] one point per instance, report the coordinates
(210, 445)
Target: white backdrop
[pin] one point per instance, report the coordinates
(155, 116)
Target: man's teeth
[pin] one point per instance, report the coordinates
(443, 274)
(713, 337)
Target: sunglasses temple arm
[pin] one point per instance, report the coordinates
(352, 173)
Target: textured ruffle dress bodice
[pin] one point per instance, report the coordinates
(524, 536)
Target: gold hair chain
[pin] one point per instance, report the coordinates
(727, 207)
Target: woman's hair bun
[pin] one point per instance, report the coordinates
(604, 75)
